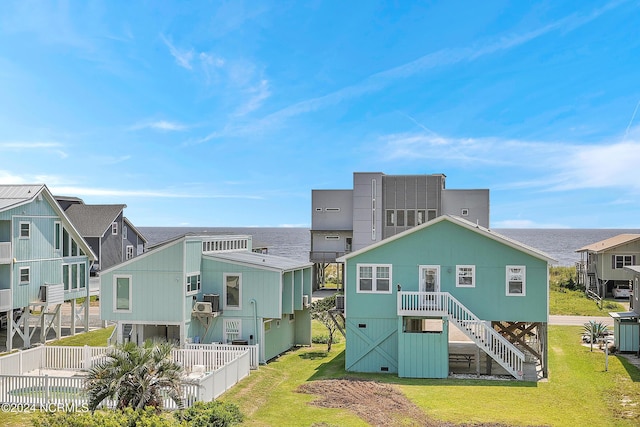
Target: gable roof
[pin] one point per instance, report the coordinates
(93, 220)
(610, 243)
(254, 259)
(16, 195)
(135, 230)
(12, 196)
(462, 223)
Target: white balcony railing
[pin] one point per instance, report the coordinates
(6, 303)
(5, 252)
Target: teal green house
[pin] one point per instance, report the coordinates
(210, 289)
(44, 262)
(405, 293)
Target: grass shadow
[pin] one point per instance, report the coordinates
(334, 368)
(313, 355)
(632, 370)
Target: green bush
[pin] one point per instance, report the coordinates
(148, 417)
(323, 339)
(563, 278)
(215, 414)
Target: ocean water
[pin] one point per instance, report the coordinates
(295, 243)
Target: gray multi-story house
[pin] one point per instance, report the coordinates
(111, 236)
(379, 206)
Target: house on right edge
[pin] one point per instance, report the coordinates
(404, 293)
(602, 265)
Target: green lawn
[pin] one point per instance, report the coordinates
(578, 392)
(575, 303)
(96, 338)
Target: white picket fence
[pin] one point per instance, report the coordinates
(44, 376)
(228, 350)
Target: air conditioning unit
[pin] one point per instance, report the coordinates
(202, 307)
(305, 300)
(51, 294)
(214, 299)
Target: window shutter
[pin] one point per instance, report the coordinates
(613, 262)
(633, 260)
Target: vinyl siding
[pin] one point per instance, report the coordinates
(447, 244)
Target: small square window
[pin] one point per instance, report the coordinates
(464, 212)
(24, 275)
(25, 230)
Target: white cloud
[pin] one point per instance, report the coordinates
(160, 125)
(257, 95)
(183, 57)
(110, 192)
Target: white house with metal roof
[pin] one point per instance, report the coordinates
(44, 261)
(210, 289)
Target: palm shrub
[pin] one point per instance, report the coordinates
(595, 330)
(136, 376)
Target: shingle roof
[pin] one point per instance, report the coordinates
(93, 220)
(609, 243)
(15, 195)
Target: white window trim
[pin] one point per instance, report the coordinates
(473, 276)
(524, 280)
(374, 278)
(129, 252)
(224, 291)
(28, 224)
(115, 292)
(199, 284)
(57, 236)
(124, 232)
(28, 270)
(114, 228)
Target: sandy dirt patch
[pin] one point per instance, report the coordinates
(377, 403)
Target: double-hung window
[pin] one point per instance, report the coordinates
(465, 276)
(516, 280)
(25, 230)
(24, 275)
(375, 278)
(193, 283)
(620, 261)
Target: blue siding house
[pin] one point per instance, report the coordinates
(44, 261)
(210, 288)
(404, 293)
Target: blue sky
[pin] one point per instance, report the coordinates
(230, 113)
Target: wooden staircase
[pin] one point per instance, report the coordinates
(479, 331)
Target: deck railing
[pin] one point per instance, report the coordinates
(5, 252)
(217, 371)
(487, 338)
(228, 351)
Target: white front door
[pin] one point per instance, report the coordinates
(429, 278)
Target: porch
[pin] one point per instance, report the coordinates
(54, 375)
